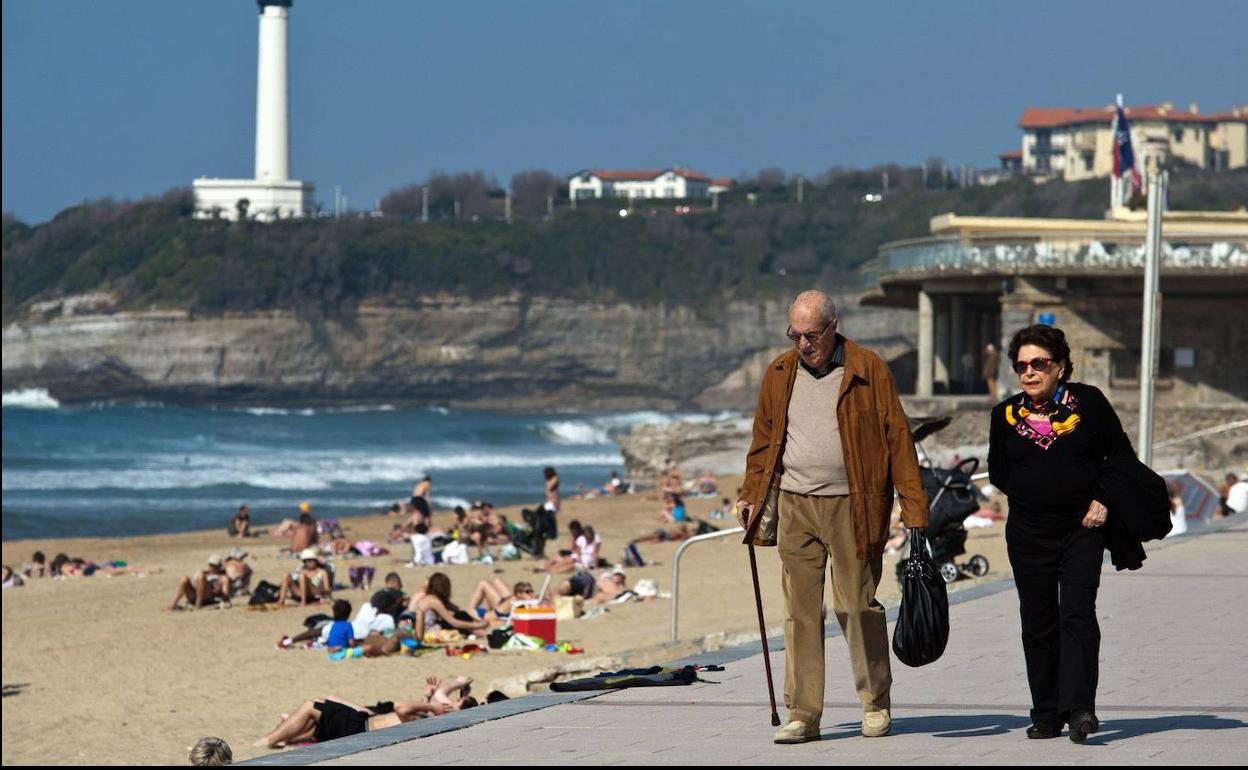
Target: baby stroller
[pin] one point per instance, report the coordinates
(952, 497)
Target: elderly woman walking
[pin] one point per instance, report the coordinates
(1047, 447)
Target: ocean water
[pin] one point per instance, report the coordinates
(117, 470)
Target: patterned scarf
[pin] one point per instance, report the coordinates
(1044, 423)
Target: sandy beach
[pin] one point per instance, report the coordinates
(96, 672)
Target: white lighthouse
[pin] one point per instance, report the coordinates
(272, 194)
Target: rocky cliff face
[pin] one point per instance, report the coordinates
(508, 353)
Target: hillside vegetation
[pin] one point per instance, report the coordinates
(761, 240)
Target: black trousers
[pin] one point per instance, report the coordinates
(1057, 571)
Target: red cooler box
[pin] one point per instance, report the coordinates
(534, 621)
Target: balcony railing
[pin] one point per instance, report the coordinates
(926, 255)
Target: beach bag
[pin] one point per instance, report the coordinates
(922, 629)
(264, 593)
(499, 637)
(706, 529)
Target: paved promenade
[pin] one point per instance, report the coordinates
(1174, 690)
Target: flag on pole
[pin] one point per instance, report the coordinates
(1124, 156)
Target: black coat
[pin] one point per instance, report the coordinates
(1139, 508)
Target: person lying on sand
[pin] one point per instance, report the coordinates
(9, 578)
(38, 567)
(606, 588)
(434, 610)
(210, 586)
(333, 717)
(681, 531)
(64, 566)
(492, 601)
(310, 583)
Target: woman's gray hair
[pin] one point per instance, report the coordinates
(211, 752)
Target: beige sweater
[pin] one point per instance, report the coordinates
(814, 463)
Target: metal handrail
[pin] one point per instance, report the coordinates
(1202, 433)
(676, 568)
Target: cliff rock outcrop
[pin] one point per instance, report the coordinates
(503, 353)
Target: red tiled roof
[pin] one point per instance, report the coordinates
(1046, 117)
(1238, 114)
(1011, 155)
(723, 181)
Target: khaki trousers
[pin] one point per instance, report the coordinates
(811, 529)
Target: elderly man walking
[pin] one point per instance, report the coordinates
(830, 444)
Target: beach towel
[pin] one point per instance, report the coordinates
(369, 548)
(656, 676)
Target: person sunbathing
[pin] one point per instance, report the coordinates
(676, 532)
(609, 586)
(493, 602)
(434, 610)
(9, 578)
(303, 535)
(311, 583)
(566, 561)
(38, 567)
(240, 525)
(64, 566)
(333, 717)
(210, 586)
(707, 484)
(238, 572)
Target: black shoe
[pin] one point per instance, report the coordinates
(1082, 724)
(1036, 732)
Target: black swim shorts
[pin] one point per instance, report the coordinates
(338, 721)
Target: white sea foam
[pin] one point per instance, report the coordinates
(29, 398)
(302, 471)
(277, 411)
(450, 502)
(603, 429)
(578, 432)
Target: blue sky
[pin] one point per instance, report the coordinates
(131, 97)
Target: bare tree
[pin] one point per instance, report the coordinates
(530, 189)
(402, 202)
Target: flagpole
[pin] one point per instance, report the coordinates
(1151, 321)
(1115, 179)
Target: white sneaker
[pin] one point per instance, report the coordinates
(797, 732)
(876, 724)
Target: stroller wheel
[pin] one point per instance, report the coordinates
(949, 572)
(979, 566)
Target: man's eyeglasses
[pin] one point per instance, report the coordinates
(1039, 364)
(811, 337)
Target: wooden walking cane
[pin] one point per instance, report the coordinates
(762, 632)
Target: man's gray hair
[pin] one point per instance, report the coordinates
(211, 752)
(827, 308)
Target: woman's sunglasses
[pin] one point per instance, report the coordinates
(1039, 364)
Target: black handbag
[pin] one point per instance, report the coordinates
(922, 629)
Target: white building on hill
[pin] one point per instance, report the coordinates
(664, 183)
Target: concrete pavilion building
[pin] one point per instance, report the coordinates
(272, 194)
(977, 280)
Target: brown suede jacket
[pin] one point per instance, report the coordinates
(875, 437)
